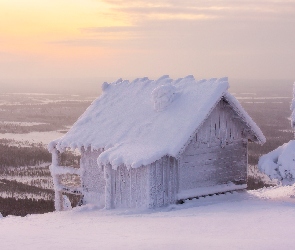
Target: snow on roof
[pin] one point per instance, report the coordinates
(138, 122)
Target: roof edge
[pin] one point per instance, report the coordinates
(200, 125)
(245, 116)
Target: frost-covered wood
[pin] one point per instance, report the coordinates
(58, 173)
(150, 186)
(108, 186)
(163, 182)
(130, 187)
(92, 177)
(217, 154)
(58, 199)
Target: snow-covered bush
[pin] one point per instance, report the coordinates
(293, 109)
(280, 163)
(257, 180)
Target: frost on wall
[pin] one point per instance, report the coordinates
(93, 181)
(151, 186)
(217, 154)
(163, 182)
(130, 187)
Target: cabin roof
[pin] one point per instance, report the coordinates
(138, 122)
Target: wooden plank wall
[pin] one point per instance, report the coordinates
(93, 182)
(218, 152)
(163, 182)
(149, 186)
(130, 187)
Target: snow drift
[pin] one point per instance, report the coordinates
(258, 219)
(280, 163)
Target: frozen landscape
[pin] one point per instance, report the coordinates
(28, 121)
(261, 219)
(147, 125)
(253, 219)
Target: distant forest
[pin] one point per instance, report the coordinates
(15, 156)
(23, 207)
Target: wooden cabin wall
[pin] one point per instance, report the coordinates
(93, 182)
(150, 186)
(218, 152)
(163, 182)
(130, 187)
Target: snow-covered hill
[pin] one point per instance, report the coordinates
(261, 219)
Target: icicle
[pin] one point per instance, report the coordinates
(108, 186)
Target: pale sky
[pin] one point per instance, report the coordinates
(136, 38)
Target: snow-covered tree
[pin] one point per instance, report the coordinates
(293, 109)
(280, 163)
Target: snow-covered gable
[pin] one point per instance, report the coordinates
(245, 117)
(136, 123)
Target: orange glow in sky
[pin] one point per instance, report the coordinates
(95, 38)
(30, 26)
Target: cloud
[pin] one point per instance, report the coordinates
(110, 29)
(202, 9)
(238, 38)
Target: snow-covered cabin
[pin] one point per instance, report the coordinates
(146, 144)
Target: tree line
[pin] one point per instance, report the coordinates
(23, 207)
(15, 156)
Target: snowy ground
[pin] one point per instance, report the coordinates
(262, 219)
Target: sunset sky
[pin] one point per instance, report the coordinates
(116, 38)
